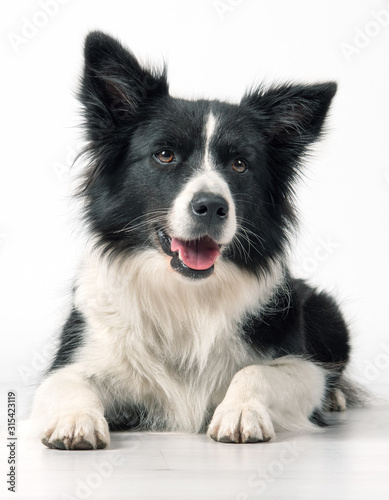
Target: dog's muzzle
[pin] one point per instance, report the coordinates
(197, 231)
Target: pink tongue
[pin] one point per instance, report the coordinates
(197, 254)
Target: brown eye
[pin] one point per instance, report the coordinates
(165, 156)
(239, 165)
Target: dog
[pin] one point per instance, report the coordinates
(185, 315)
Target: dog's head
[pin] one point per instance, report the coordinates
(196, 180)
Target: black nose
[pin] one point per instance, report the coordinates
(209, 208)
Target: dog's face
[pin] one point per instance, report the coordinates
(190, 163)
(196, 180)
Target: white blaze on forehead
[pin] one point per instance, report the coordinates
(209, 132)
(205, 180)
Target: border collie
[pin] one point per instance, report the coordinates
(185, 316)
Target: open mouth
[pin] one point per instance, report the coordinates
(193, 258)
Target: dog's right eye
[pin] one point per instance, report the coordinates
(165, 156)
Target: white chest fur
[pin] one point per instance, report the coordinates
(160, 340)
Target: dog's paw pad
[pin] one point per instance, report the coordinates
(78, 431)
(244, 424)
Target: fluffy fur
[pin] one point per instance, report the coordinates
(185, 316)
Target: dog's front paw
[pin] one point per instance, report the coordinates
(241, 423)
(82, 430)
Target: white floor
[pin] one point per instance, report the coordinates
(349, 460)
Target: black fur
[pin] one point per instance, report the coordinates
(302, 321)
(71, 340)
(130, 116)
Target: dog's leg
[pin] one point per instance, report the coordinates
(281, 395)
(70, 413)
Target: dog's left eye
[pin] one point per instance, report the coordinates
(239, 165)
(165, 156)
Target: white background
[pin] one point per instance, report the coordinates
(213, 49)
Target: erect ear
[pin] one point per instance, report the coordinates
(114, 86)
(291, 116)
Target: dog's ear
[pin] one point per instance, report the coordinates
(114, 85)
(291, 116)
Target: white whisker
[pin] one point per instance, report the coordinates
(146, 220)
